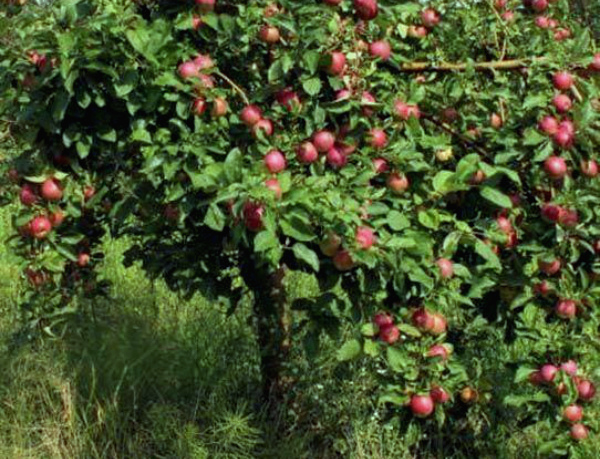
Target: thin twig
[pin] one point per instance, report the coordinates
(452, 132)
(235, 87)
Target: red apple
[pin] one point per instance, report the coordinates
(552, 212)
(366, 9)
(555, 167)
(336, 158)
(366, 99)
(496, 121)
(406, 111)
(586, 390)
(508, 16)
(439, 394)
(380, 165)
(51, 190)
(543, 22)
(89, 192)
(569, 367)
(450, 114)
(199, 106)
(573, 413)
(468, 395)
(417, 31)
(196, 22)
(331, 244)
(566, 309)
(505, 225)
(342, 261)
(264, 125)
(579, 432)
(307, 153)
(500, 4)
(288, 98)
(389, 334)
(568, 218)
(383, 319)
(542, 288)
(446, 268)
(323, 141)
(40, 227)
(438, 350)
(377, 138)
(57, 218)
(430, 18)
(380, 49)
(273, 185)
(219, 107)
(83, 259)
(28, 195)
(539, 5)
(562, 102)
(343, 94)
(548, 373)
(188, 70)
(595, 65)
(251, 114)
(589, 168)
(275, 161)
(439, 324)
(206, 6)
(337, 63)
(562, 81)
(253, 214)
(422, 405)
(398, 183)
(365, 237)
(535, 378)
(550, 268)
(269, 34)
(203, 62)
(563, 138)
(423, 319)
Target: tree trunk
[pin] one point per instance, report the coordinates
(273, 328)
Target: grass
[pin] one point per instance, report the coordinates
(152, 375)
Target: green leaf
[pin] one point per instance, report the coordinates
(523, 374)
(264, 241)
(312, 86)
(66, 251)
(349, 350)
(397, 360)
(397, 221)
(303, 253)
(296, 228)
(215, 219)
(429, 218)
(371, 348)
(496, 197)
(409, 330)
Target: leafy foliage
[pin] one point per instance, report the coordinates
(439, 196)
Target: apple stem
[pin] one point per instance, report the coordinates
(235, 87)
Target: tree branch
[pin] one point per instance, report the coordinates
(235, 87)
(511, 64)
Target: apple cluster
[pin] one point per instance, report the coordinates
(555, 378)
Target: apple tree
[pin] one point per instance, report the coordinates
(432, 165)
